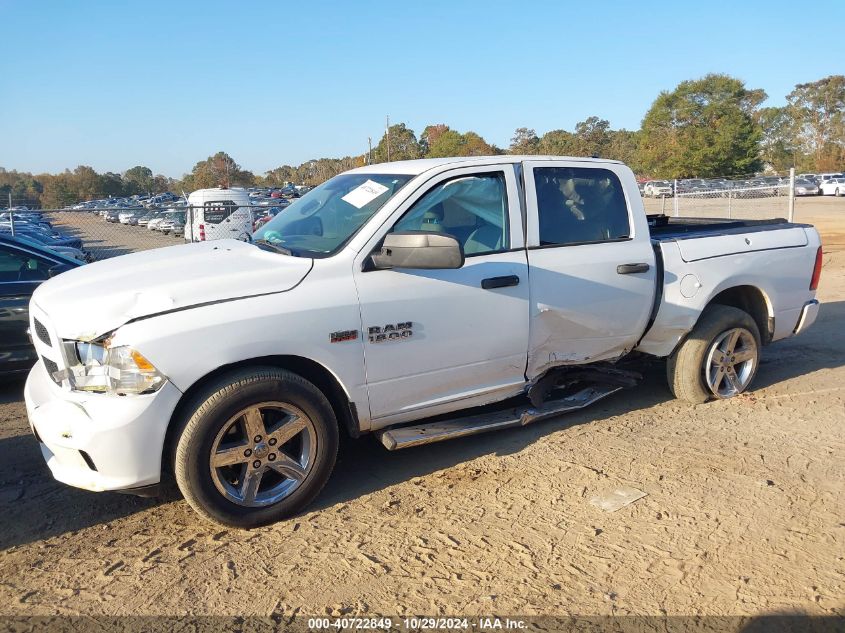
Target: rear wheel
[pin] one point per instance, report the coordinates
(718, 359)
(259, 446)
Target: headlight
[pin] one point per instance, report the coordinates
(118, 370)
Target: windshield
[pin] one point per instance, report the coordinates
(323, 220)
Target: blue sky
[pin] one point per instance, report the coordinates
(165, 84)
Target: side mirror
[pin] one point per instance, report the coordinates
(419, 249)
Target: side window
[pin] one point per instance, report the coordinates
(20, 266)
(473, 209)
(580, 204)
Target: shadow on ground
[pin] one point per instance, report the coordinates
(37, 507)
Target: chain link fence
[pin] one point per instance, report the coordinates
(755, 198)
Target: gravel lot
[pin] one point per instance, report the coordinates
(109, 239)
(743, 513)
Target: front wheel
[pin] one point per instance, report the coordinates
(718, 359)
(259, 445)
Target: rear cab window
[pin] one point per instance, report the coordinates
(580, 205)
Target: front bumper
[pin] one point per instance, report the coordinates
(808, 316)
(98, 441)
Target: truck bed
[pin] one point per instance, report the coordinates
(664, 228)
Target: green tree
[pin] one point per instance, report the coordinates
(219, 170)
(403, 145)
(85, 183)
(592, 137)
(58, 191)
(139, 179)
(448, 143)
(430, 135)
(524, 141)
(623, 145)
(704, 127)
(440, 141)
(777, 143)
(162, 183)
(475, 145)
(558, 143)
(112, 184)
(818, 113)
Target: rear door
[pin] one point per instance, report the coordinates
(226, 219)
(592, 273)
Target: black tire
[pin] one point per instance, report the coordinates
(214, 408)
(686, 367)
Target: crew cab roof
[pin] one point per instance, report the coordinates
(416, 167)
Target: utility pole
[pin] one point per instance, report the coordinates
(388, 138)
(11, 215)
(370, 150)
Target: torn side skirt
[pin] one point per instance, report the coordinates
(563, 378)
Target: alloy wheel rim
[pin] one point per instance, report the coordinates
(262, 454)
(731, 361)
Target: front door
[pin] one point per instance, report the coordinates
(434, 338)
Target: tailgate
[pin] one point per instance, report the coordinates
(696, 248)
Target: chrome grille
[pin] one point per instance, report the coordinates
(42, 333)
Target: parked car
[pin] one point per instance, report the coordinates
(45, 236)
(23, 266)
(658, 188)
(806, 187)
(153, 224)
(376, 304)
(145, 218)
(833, 187)
(823, 178)
(66, 251)
(112, 216)
(126, 217)
(31, 218)
(172, 222)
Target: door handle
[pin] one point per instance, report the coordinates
(499, 282)
(628, 269)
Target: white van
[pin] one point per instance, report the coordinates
(219, 213)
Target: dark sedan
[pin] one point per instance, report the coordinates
(22, 268)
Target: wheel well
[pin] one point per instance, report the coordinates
(751, 300)
(344, 410)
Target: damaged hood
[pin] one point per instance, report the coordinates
(92, 300)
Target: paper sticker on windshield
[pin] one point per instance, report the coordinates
(363, 194)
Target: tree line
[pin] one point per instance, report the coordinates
(712, 126)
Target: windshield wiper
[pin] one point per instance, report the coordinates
(272, 247)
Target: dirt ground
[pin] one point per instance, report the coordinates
(743, 513)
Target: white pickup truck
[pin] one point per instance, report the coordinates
(397, 299)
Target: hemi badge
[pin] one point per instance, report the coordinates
(343, 335)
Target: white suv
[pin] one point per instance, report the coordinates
(658, 188)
